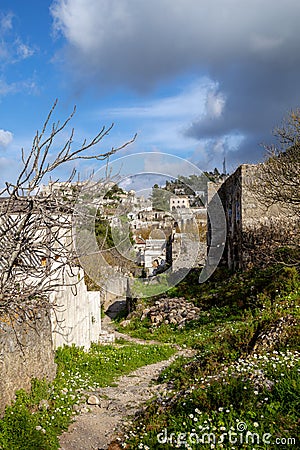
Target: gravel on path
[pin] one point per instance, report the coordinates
(96, 429)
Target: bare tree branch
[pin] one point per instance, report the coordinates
(276, 182)
(36, 248)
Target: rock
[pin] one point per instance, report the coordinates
(125, 323)
(106, 337)
(44, 404)
(176, 311)
(76, 407)
(145, 313)
(84, 410)
(93, 400)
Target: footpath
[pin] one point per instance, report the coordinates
(98, 428)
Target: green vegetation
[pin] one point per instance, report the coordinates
(239, 381)
(254, 400)
(35, 420)
(160, 198)
(185, 185)
(239, 391)
(103, 233)
(150, 287)
(114, 193)
(235, 308)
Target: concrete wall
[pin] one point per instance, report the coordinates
(76, 316)
(26, 352)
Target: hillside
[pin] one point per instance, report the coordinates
(238, 390)
(241, 389)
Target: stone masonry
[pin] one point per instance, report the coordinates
(26, 352)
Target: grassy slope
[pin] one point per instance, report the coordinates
(226, 387)
(229, 385)
(35, 420)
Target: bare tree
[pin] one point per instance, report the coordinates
(35, 225)
(274, 242)
(277, 179)
(276, 185)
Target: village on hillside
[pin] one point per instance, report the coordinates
(93, 275)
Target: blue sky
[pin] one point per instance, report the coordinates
(197, 79)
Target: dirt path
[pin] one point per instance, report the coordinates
(96, 429)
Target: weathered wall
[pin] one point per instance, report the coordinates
(216, 225)
(27, 348)
(26, 352)
(230, 193)
(253, 210)
(115, 288)
(246, 217)
(76, 317)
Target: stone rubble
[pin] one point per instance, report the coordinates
(175, 311)
(106, 337)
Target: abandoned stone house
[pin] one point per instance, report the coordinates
(179, 202)
(245, 214)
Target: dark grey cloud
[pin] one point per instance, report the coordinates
(258, 95)
(250, 48)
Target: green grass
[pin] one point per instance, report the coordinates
(151, 287)
(225, 387)
(227, 401)
(30, 424)
(228, 385)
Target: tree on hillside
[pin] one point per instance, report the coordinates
(36, 246)
(160, 198)
(183, 185)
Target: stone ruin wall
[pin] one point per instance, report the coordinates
(26, 352)
(27, 348)
(248, 219)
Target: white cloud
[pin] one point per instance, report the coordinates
(138, 42)
(6, 22)
(21, 86)
(162, 122)
(12, 47)
(186, 104)
(24, 51)
(6, 138)
(87, 24)
(215, 103)
(251, 48)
